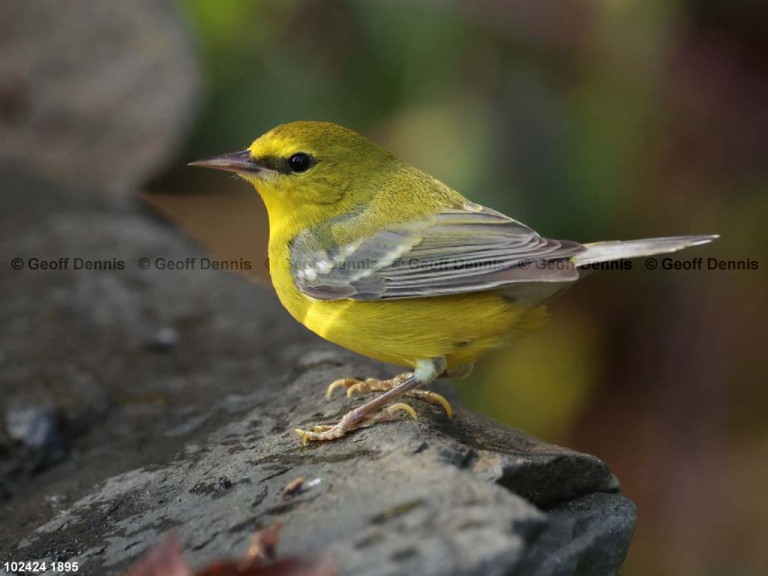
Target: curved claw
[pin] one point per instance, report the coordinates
(435, 398)
(303, 434)
(341, 383)
(401, 407)
(354, 388)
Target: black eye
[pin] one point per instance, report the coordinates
(300, 162)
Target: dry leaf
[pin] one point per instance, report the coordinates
(166, 559)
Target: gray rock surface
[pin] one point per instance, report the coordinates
(174, 395)
(94, 92)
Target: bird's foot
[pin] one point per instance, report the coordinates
(353, 420)
(377, 409)
(354, 386)
(368, 385)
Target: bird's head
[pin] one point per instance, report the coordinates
(309, 168)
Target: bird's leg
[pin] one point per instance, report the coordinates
(354, 386)
(377, 410)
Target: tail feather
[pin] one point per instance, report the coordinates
(619, 249)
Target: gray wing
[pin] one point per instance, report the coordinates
(453, 252)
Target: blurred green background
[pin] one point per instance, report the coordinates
(589, 120)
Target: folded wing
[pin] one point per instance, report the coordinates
(456, 251)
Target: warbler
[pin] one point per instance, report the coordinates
(383, 259)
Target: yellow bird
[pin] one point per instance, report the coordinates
(383, 259)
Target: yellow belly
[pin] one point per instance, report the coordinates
(460, 328)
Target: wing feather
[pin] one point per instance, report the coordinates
(453, 252)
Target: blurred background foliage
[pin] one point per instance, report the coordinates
(588, 120)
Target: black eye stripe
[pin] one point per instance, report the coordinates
(272, 163)
(283, 165)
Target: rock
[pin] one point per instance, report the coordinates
(586, 535)
(163, 340)
(74, 340)
(37, 429)
(400, 498)
(200, 437)
(94, 93)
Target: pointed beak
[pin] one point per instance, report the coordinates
(232, 162)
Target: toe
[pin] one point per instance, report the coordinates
(354, 389)
(341, 383)
(434, 398)
(391, 411)
(304, 435)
